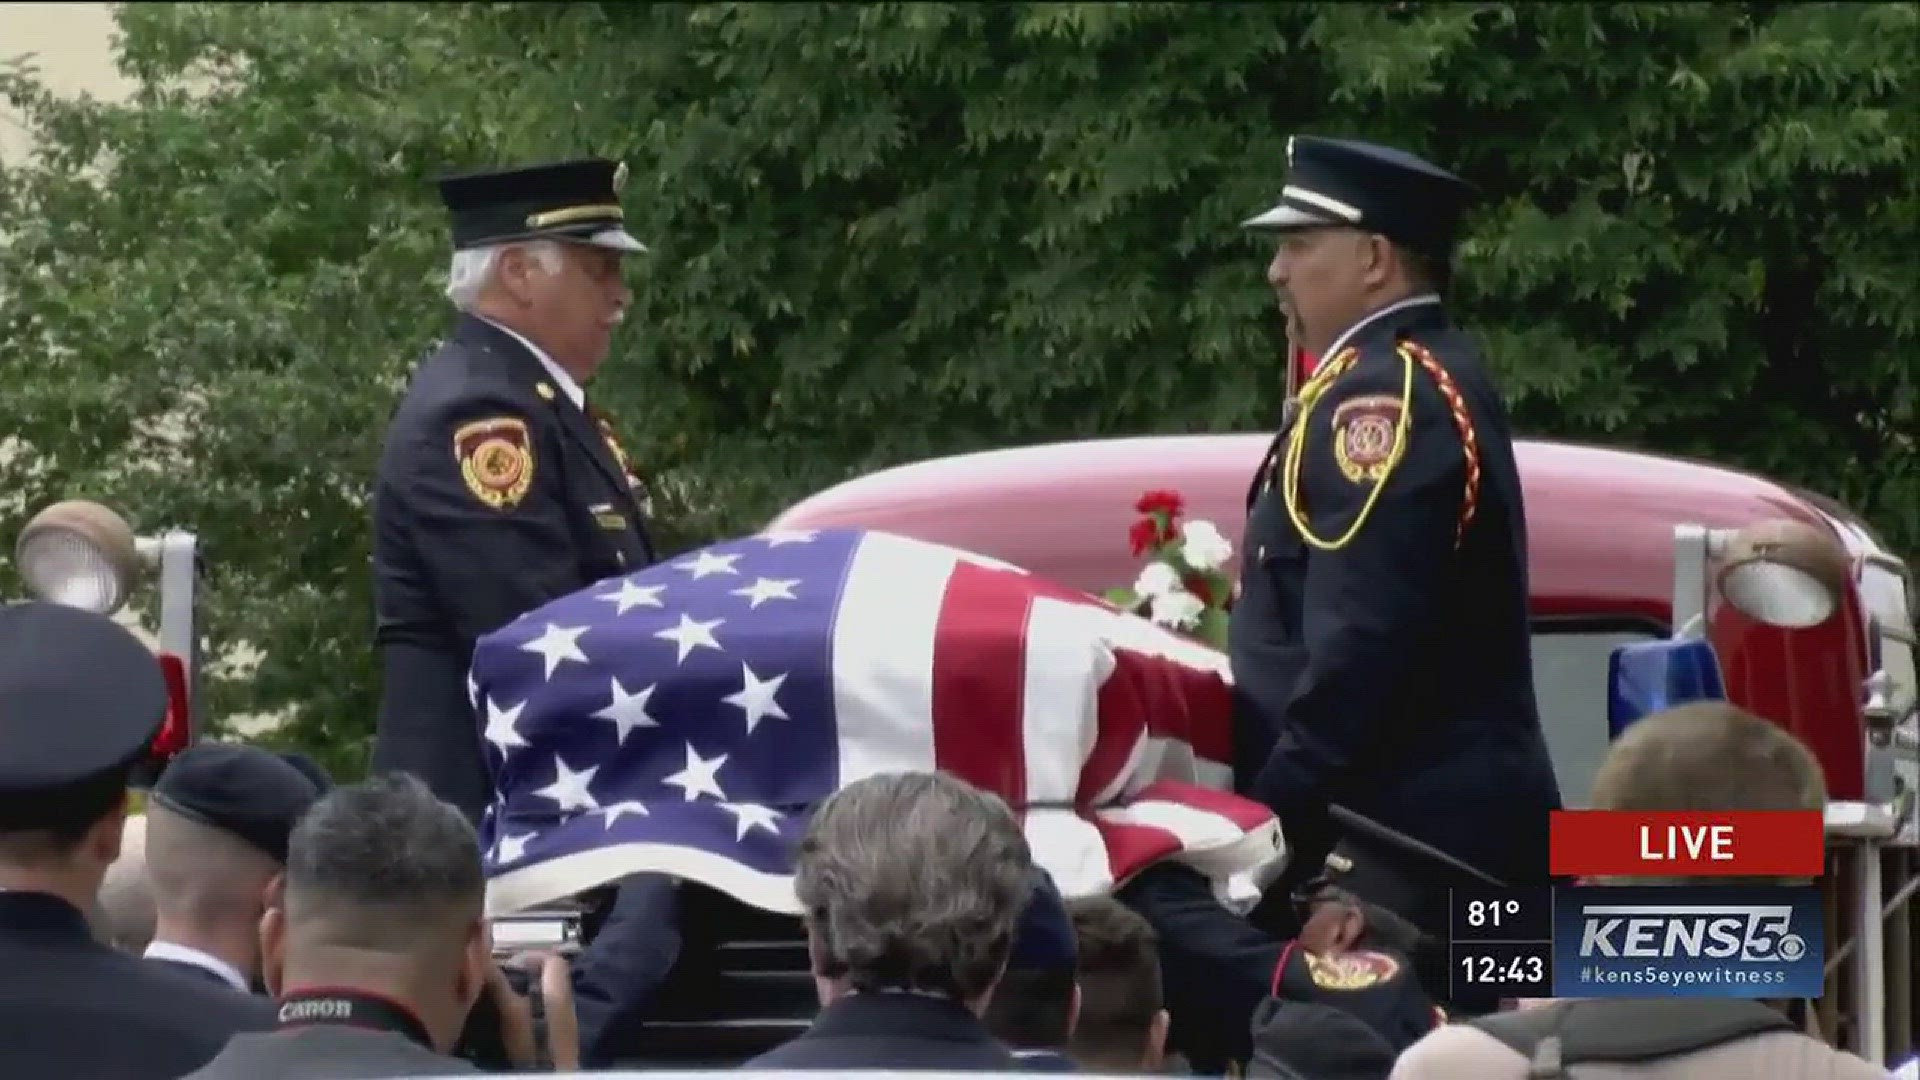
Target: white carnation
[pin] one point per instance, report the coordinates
(1177, 608)
(1204, 548)
(1155, 579)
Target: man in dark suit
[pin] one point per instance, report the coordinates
(500, 486)
(375, 946)
(217, 826)
(1381, 647)
(80, 702)
(912, 884)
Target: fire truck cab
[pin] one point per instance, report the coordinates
(1805, 616)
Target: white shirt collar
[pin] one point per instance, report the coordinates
(1401, 305)
(184, 954)
(567, 386)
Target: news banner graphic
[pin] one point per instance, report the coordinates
(1708, 939)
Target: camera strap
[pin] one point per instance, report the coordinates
(351, 1008)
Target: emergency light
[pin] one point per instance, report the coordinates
(1646, 677)
(83, 554)
(79, 554)
(1784, 573)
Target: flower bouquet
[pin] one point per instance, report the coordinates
(1184, 585)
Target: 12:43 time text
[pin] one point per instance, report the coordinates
(1514, 969)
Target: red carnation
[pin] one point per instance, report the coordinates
(1166, 502)
(1143, 535)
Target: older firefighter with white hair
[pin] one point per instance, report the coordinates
(501, 485)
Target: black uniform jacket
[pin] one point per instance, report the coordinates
(893, 1031)
(495, 495)
(71, 1006)
(1382, 657)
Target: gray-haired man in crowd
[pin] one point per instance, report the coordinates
(911, 886)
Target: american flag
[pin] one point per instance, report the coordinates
(687, 718)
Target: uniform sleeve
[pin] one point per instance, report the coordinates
(616, 976)
(1216, 966)
(484, 502)
(1375, 580)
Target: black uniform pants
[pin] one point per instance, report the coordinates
(427, 727)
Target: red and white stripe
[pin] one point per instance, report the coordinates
(1110, 736)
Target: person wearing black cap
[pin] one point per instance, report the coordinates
(375, 944)
(500, 487)
(1380, 646)
(80, 701)
(217, 825)
(1037, 1000)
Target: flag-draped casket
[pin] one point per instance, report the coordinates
(688, 718)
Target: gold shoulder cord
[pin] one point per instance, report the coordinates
(1297, 441)
(1411, 354)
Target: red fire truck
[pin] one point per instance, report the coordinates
(1808, 617)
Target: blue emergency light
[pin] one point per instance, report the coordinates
(1646, 677)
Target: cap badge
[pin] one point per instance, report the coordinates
(496, 460)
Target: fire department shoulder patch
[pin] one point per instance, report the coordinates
(496, 460)
(1355, 970)
(1366, 437)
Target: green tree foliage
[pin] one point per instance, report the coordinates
(884, 231)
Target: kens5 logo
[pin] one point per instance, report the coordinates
(1758, 933)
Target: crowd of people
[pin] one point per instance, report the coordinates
(268, 922)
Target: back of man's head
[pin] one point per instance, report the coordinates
(912, 881)
(383, 893)
(1122, 1025)
(80, 701)
(202, 876)
(1709, 755)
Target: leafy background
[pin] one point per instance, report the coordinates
(887, 231)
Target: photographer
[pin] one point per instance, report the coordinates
(376, 948)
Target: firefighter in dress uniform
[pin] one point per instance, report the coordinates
(81, 700)
(1380, 646)
(500, 486)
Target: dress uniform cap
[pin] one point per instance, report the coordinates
(1043, 939)
(79, 695)
(1341, 182)
(570, 200)
(254, 794)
